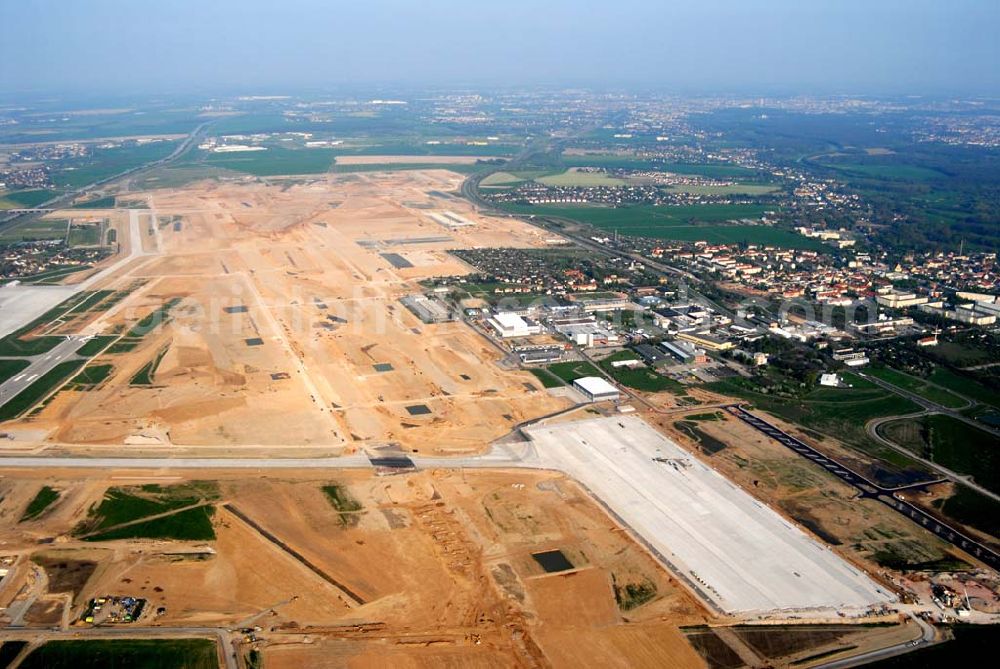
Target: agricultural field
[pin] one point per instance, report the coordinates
(576, 177)
(460, 168)
(681, 223)
(105, 163)
(272, 162)
(928, 391)
(728, 189)
(630, 162)
(19, 199)
(509, 179)
(39, 229)
(890, 171)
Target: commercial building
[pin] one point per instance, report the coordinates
(427, 309)
(706, 340)
(685, 351)
(509, 325)
(850, 357)
(539, 354)
(596, 388)
(898, 300)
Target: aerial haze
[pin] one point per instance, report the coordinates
(788, 46)
(513, 334)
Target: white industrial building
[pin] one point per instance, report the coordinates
(509, 325)
(596, 388)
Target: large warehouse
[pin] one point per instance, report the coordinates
(596, 388)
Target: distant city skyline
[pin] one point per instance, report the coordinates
(778, 46)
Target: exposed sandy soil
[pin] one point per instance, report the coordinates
(299, 267)
(435, 568)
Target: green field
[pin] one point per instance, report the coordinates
(106, 163)
(628, 162)
(91, 376)
(11, 368)
(508, 179)
(973, 509)
(950, 443)
(546, 377)
(969, 387)
(107, 202)
(678, 223)
(41, 387)
(640, 378)
(144, 377)
(887, 171)
(918, 387)
(25, 199)
(571, 371)
(188, 525)
(39, 229)
(582, 179)
(95, 345)
(125, 654)
(129, 504)
(838, 412)
(153, 320)
(45, 498)
(347, 507)
(84, 235)
(460, 168)
(729, 189)
(275, 161)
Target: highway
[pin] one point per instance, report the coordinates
(56, 202)
(891, 497)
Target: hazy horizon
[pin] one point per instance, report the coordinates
(891, 47)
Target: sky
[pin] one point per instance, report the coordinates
(709, 46)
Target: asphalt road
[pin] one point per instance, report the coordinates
(927, 636)
(60, 200)
(928, 405)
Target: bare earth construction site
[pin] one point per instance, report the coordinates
(274, 437)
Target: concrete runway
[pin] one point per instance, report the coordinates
(40, 365)
(734, 551)
(20, 304)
